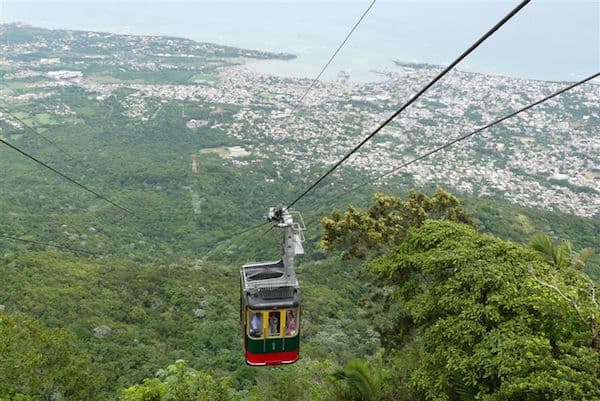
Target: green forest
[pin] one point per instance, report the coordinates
(409, 293)
(412, 302)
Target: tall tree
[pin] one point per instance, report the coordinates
(365, 234)
(179, 382)
(355, 382)
(485, 325)
(561, 255)
(37, 363)
(566, 283)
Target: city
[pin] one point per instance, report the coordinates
(548, 157)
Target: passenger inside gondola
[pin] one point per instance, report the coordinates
(256, 325)
(290, 323)
(274, 324)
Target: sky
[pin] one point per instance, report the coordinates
(300, 1)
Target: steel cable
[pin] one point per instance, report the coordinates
(489, 33)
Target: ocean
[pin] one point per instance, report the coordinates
(547, 40)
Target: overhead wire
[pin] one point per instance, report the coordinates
(414, 98)
(158, 228)
(66, 177)
(235, 235)
(82, 186)
(73, 158)
(70, 156)
(45, 138)
(64, 247)
(61, 150)
(37, 133)
(314, 82)
(489, 33)
(460, 139)
(466, 136)
(56, 171)
(250, 229)
(307, 91)
(299, 103)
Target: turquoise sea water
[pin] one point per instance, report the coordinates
(547, 40)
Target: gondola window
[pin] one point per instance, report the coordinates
(274, 324)
(290, 322)
(256, 325)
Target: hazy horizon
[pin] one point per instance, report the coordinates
(548, 40)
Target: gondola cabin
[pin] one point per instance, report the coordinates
(270, 301)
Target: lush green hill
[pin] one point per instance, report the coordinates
(134, 319)
(161, 284)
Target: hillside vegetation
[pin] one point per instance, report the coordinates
(509, 319)
(409, 295)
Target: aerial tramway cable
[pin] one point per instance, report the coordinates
(489, 33)
(314, 82)
(459, 139)
(100, 196)
(66, 177)
(36, 132)
(311, 86)
(64, 247)
(467, 136)
(48, 140)
(82, 186)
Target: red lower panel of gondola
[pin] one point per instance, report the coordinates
(271, 358)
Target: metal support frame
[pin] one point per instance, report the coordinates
(293, 235)
(280, 273)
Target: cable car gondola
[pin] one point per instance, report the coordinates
(270, 299)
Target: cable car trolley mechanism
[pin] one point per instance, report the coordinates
(270, 299)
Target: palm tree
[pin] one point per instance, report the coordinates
(355, 383)
(560, 255)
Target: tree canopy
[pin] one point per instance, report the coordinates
(362, 234)
(491, 318)
(37, 363)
